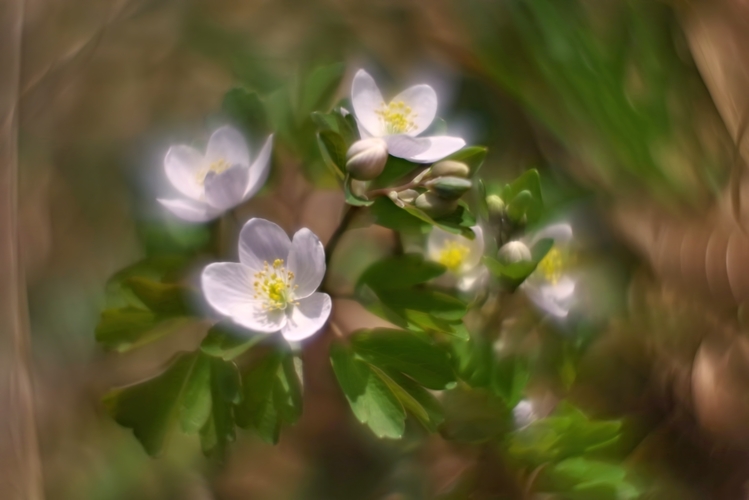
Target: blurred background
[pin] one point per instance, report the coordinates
(633, 111)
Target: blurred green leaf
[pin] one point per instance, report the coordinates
(245, 110)
(272, 395)
(584, 479)
(226, 342)
(318, 87)
(395, 169)
(388, 215)
(226, 391)
(333, 150)
(152, 409)
(126, 328)
(162, 298)
(401, 271)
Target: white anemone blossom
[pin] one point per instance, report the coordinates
(401, 120)
(551, 287)
(273, 286)
(461, 256)
(218, 180)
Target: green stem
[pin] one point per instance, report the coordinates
(348, 216)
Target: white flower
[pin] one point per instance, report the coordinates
(218, 180)
(550, 286)
(461, 256)
(524, 414)
(272, 288)
(401, 120)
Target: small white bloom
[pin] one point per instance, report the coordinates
(272, 288)
(218, 180)
(524, 414)
(401, 120)
(461, 256)
(550, 286)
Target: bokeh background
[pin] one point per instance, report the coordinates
(633, 111)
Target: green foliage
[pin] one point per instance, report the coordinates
(523, 197)
(587, 479)
(394, 289)
(246, 110)
(272, 394)
(386, 373)
(473, 156)
(411, 219)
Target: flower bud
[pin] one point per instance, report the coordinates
(359, 188)
(514, 251)
(450, 168)
(496, 205)
(434, 205)
(366, 158)
(450, 188)
(408, 195)
(393, 195)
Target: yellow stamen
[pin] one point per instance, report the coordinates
(552, 265)
(273, 285)
(397, 117)
(452, 255)
(217, 167)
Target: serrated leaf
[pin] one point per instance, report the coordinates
(402, 271)
(371, 400)
(226, 391)
(226, 342)
(152, 409)
(405, 352)
(272, 396)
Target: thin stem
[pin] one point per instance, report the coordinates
(385, 191)
(348, 216)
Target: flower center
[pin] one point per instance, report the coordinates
(217, 167)
(452, 255)
(397, 117)
(552, 265)
(273, 286)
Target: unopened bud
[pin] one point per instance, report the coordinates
(450, 168)
(359, 188)
(366, 158)
(393, 195)
(450, 188)
(496, 205)
(514, 251)
(434, 205)
(408, 195)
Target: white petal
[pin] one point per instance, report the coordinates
(225, 190)
(259, 170)
(307, 262)
(191, 211)
(227, 144)
(476, 249)
(423, 102)
(182, 164)
(366, 100)
(553, 299)
(262, 241)
(308, 317)
(560, 233)
(423, 149)
(227, 287)
(473, 278)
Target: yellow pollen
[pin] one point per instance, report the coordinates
(552, 265)
(397, 117)
(273, 286)
(217, 167)
(452, 255)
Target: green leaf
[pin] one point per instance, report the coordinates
(474, 415)
(333, 150)
(395, 169)
(405, 352)
(370, 398)
(245, 109)
(226, 391)
(437, 304)
(272, 395)
(163, 298)
(519, 205)
(473, 156)
(509, 378)
(529, 181)
(585, 479)
(351, 198)
(226, 342)
(401, 271)
(319, 87)
(418, 401)
(126, 328)
(458, 222)
(388, 215)
(152, 409)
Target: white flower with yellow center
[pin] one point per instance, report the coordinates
(550, 286)
(401, 120)
(218, 180)
(461, 256)
(273, 287)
